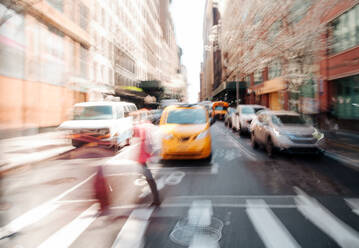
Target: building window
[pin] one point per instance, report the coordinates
(299, 10)
(274, 69)
(57, 4)
(83, 61)
(258, 77)
(84, 14)
(345, 31)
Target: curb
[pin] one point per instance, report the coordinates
(9, 168)
(343, 160)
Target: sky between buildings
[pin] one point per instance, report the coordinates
(188, 21)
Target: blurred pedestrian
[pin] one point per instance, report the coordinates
(145, 151)
(101, 191)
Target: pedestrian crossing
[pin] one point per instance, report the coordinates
(255, 221)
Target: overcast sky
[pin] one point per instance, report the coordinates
(188, 21)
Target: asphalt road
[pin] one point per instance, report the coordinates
(241, 198)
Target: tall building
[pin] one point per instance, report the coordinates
(212, 69)
(54, 53)
(44, 55)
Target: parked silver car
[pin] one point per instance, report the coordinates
(244, 115)
(285, 131)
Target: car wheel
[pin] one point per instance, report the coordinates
(240, 131)
(253, 141)
(269, 148)
(76, 143)
(115, 148)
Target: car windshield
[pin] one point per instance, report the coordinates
(288, 120)
(93, 113)
(248, 110)
(187, 116)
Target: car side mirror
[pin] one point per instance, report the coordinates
(213, 120)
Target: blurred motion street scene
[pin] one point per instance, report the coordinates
(179, 123)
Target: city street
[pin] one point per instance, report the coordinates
(241, 198)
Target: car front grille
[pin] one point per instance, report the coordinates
(303, 139)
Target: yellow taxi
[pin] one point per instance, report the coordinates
(186, 133)
(219, 109)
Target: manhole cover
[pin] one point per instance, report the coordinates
(184, 233)
(60, 181)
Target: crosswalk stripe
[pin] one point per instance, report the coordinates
(270, 229)
(68, 234)
(131, 234)
(344, 235)
(353, 204)
(37, 213)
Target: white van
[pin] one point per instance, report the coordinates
(104, 123)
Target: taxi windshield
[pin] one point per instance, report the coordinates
(187, 116)
(93, 113)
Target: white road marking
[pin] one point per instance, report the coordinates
(37, 213)
(268, 226)
(214, 168)
(353, 204)
(131, 234)
(200, 213)
(343, 234)
(69, 233)
(242, 148)
(217, 205)
(175, 178)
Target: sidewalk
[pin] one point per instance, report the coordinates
(342, 146)
(18, 151)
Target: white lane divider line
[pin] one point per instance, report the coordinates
(131, 234)
(37, 213)
(214, 168)
(69, 233)
(241, 147)
(343, 234)
(353, 204)
(268, 226)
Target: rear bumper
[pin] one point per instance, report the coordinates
(99, 140)
(302, 150)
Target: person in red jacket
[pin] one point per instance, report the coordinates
(101, 191)
(142, 130)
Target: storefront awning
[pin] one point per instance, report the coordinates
(273, 85)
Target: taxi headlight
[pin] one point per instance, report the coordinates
(318, 135)
(202, 135)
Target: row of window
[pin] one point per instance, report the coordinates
(345, 31)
